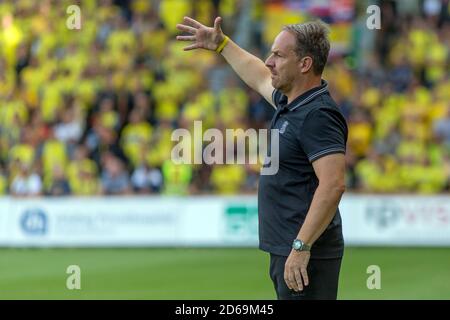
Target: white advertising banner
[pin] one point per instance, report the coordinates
(128, 221)
(396, 220)
(103, 221)
(208, 221)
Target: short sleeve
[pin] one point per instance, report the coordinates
(324, 132)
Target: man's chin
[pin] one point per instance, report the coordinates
(275, 84)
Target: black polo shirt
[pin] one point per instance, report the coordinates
(310, 127)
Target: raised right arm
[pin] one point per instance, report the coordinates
(249, 68)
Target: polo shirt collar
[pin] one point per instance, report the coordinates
(305, 97)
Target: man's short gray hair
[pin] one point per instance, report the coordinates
(312, 40)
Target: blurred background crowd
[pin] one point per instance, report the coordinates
(91, 111)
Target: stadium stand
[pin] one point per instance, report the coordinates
(91, 111)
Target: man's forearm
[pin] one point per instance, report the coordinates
(250, 69)
(321, 212)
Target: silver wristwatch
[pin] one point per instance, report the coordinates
(299, 245)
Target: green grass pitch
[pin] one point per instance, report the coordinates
(406, 273)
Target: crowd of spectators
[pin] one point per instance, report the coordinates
(92, 111)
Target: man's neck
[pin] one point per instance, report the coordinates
(302, 87)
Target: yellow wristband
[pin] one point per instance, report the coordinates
(222, 45)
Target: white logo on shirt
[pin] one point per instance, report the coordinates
(283, 127)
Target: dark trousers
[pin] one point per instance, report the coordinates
(323, 277)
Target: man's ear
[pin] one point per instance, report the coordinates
(306, 64)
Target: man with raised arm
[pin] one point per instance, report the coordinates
(299, 220)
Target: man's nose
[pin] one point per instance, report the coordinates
(269, 62)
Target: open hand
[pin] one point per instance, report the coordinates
(202, 36)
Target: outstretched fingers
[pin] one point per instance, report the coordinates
(192, 22)
(186, 38)
(192, 47)
(186, 28)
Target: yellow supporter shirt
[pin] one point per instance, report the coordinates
(48, 42)
(142, 78)
(371, 98)
(83, 177)
(155, 42)
(359, 139)
(161, 148)
(32, 79)
(177, 178)
(120, 39)
(442, 90)
(53, 154)
(23, 152)
(276, 16)
(11, 37)
(417, 129)
(422, 97)
(204, 11)
(86, 35)
(12, 109)
(228, 179)
(7, 82)
(3, 184)
(86, 90)
(167, 97)
(193, 111)
(109, 119)
(411, 149)
(166, 109)
(134, 136)
(172, 12)
(227, 8)
(408, 176)
(235, 98)
(343, 79)
(436, 62)
(387, 181)
(141, 6)
(51, 100)
(436, 154)
(75, 63)
(206, 101)
(233, 103)
(39, 24)
(419, 40)
(431, 179)
(388, 115)
(368, 172)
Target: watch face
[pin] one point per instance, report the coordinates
(297, 244)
